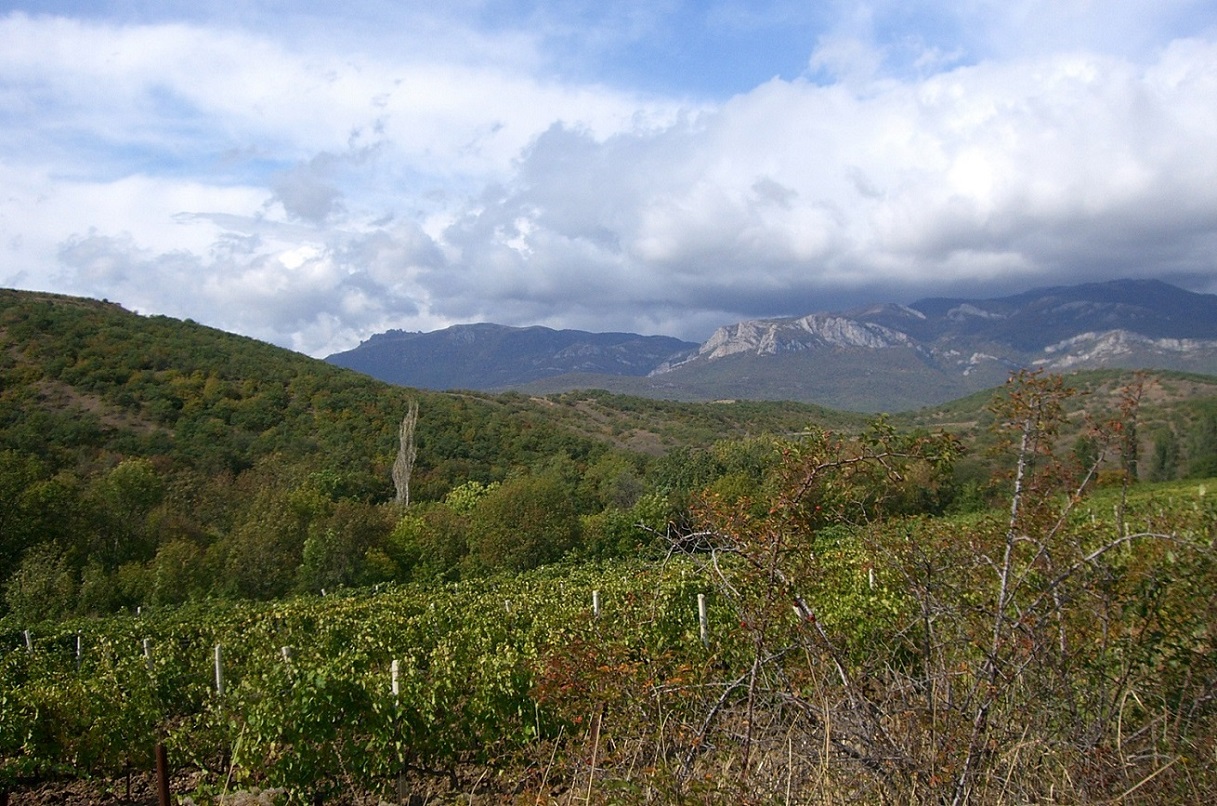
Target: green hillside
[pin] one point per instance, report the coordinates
(146, 459)
(1003, 599)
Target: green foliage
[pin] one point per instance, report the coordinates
(614, 480)
(179, 573)
(524, 523)
(857, 638)
(463, 498)
(123, 498)
(1164, 462)
(430, 543)
(1202, 449)
(19, 475)
(42, 588)
(617, 533)
(322, 715)
(335, 553)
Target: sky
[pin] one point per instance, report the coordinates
(311, 173)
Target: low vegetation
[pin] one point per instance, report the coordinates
(1004, 603)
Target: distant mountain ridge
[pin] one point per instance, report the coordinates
(488, 356)
(886, 357)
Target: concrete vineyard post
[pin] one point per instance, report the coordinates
(703, 622)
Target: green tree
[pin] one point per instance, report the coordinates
(1164, 462)
(42, 588)
(98, 593)
(18, 474)
(615, 532)
(179, 573)
(463, 498)
(614, 481)
(261, 555)
(430, 543)
(1202, 447)
(336, 549)
(125, 497)
(526, 522)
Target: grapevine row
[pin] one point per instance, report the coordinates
(300, 693)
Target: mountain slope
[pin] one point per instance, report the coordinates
(150, 461)
(881, 358)
(488, 357)
(890, 357)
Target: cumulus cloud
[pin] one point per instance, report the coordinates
(299, 188)
(266, 281)
(1081, 167)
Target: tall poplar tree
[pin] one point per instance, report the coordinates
(403, 466)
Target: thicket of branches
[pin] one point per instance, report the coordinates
(1059, 651)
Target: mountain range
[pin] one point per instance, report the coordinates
(887, 357)
(495, 357)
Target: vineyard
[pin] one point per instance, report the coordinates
(323, 694)
(606, 684)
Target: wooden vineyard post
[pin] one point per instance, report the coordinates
(162, 775)
(703, 621)
(596, 604)
(79, 651)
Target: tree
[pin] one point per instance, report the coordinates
(1202, 447)
(336, 549)
(1164, 463)
(178, 572)
(430, 545)
(263, 552)
(126, 495)
(524, 523)
(18, 473)
(42, 588)
(403, 467)
(613, 481)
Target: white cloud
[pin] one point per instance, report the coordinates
(1035, 168)
(305, 295)
(300, 188)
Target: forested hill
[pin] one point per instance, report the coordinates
(147, 459)
(151, 463)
